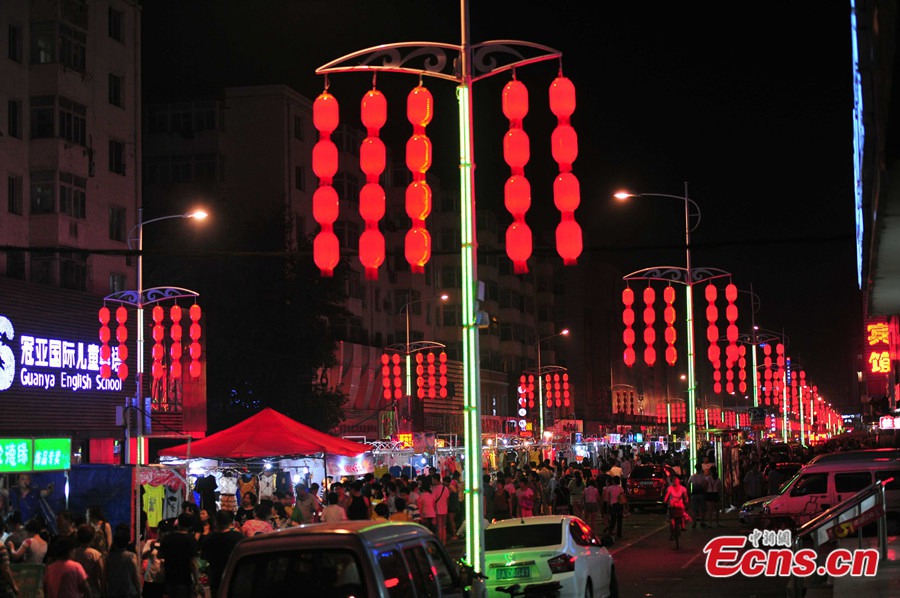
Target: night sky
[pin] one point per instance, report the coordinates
(750, 105)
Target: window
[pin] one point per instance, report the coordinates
(449, 239)
(320, 572)
(72, 48)
(449, 315)
(72, 195)
(15, 43)
(813, 483)
(180, 169)
(422, 573)
(117, 282)
(851, 482)
(300, 178)
(117, 223)
(14, 118)
(73, 271)
(298, 127)
(158, 120)
(156, 170)
(205, 167)
(14, 194)
(42, 117)
(15, 264)
(491, 291)
(396, 577)
(42, 269)
(523, 536)
(75, 12)
(115, 91)
(348, 234)
(115, 19)
(43, 43)
(506, 331)
(42, 192)
(116, 156)
(72, 123)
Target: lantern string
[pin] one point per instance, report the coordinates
(514, 74)
(374, 78)
(560, 67)
(327, 83)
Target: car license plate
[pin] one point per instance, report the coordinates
(513, 573)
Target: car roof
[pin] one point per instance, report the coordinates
(860, 455)
(536, 520)
(371, 532)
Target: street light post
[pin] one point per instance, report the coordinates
(688, 276)
(472, 62)
(563, 332)
(407, 352)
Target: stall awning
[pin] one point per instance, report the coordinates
(266, 434)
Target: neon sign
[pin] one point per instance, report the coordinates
(50, 363)
(24, 455)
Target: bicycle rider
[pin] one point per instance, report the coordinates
(677, 499)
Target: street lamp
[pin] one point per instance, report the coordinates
(407, 352)
(687, 276)
(563, 332)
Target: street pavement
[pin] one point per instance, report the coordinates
(649, 566)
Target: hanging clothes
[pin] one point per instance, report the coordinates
(154, 503)
(174, 498)
(266, 482)
(227, 486)
(248, 483)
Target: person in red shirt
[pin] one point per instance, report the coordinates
(64, 578)
(524, 499)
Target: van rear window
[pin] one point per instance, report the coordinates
(314, 572)
(523, 536)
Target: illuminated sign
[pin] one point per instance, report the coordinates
(888, 422)
(878, 349)
(44, 363)
(25, 455)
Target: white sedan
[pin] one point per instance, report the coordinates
(545, 549)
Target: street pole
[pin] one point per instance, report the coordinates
(540, 373)
(408, 354)
(432, 55)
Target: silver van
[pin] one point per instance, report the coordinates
(361, 559)
(830, 479)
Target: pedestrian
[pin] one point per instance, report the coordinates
(333, 512)
(677, 499)
(178, 551)
(218, 547)
(34, 548)
(441, 495)
(501, 501)
(8, 586)
(427, 513)
(713, 492)
(64, 578)
(90, 559)
(154, 582)
(304, 507)
(359, 508)
(591, 496)
(17, 533)
(699, 485)
(380, 512)
(488, 492)
(576, 491)
(123, 571)
(524, 498)
(248, 504)
(260, 522)
(401, 514)
(279, 518)
(102, 529)
(613, 496)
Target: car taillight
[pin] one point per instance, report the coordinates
(562, 563)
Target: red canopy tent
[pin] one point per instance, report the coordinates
(266, 434)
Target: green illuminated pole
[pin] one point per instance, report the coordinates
(669, 417)
(755, 374)
(689, 295)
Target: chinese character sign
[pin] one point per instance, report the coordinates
(15, 455)
(878, 350)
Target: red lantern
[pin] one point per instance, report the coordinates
(742, 371)
(103, 316)
(565, 387)
(326, 248)
(372, 159)
(194, 332)
(649, 332)
(517, 190)
(566, 192)
(419, 111)
(628, 319)
(669, 318)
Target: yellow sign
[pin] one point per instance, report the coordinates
(878, 333)
(880, 362)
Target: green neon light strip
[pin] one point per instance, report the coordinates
(692, 382)
(755, 377)
(472, 398)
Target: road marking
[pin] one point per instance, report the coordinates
(694, 558)
(630, 543)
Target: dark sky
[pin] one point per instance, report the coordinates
(751, 105)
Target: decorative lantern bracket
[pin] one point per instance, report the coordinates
(414, 347)
(677, 275)
(435, 59)
(151, 296)
(547, 369)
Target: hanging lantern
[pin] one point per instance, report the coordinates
(564, 148)
(767, 365)
(649, 332)
(531, 391)
(386, 376)
(669, 318)
(717, 377)
(398, 377)
(158, 334)
(103, 316)
(326, 248)
(420, 376)
(548, 389)
(628, 319)
(565, 390)
(194, 332)
(731, 331)
(517, 190)
(175, 332)
(742, 369)
(419, 111)
(442, 378)
(372, 159)
(729, 381)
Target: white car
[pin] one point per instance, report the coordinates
(545, 549)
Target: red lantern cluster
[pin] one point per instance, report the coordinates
(566, 190)
(628, 319)
(391, 376)
(679, 412)
(731, 334)
(194, 332)
(419, 111)
(565, 390)
(175, 332)
(158, 333)
(372, 159)
(649, 332)
(669, 319)
(714, 353)
(120, 353)
(742, 369)
(660, 413)
(105, 352)
(531, 391)
(779, 380)
(517, 190)
(522, 392)
(431, 380)
(326, 248)
(795, 401)
(767, 370)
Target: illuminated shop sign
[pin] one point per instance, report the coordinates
(25, 455)
(39, 362)
(878, 353)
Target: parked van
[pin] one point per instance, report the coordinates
(830, 479)
(339, 560)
